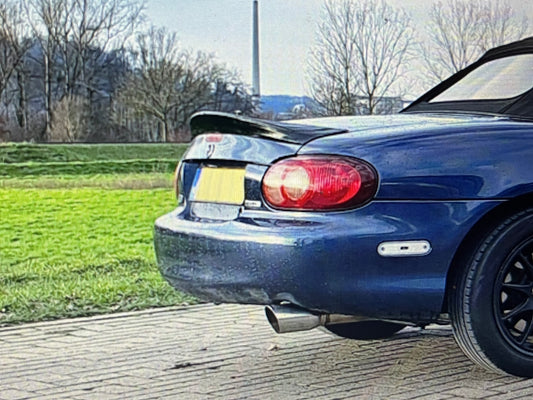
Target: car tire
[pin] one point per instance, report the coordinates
(491, 300)
(365, 330)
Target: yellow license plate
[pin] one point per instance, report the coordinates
(220, 185)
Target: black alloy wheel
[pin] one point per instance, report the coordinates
(491, 299)
(513, 298)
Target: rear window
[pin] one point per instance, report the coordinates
(503, 78)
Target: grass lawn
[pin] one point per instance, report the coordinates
(73, 252)
(77, 244)
(155, 180)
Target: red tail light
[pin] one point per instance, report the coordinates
(319, 183)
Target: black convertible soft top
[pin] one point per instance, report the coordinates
(520, 106)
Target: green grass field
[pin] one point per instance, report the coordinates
(23, 160)
(81, 244)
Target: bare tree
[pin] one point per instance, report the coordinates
(230, 94)
(502, 24)
(14, 46)
(74, 36)
(383, 43)
(168, 83)
(48, 19)
(70, 119)
(14, 41)
(460, 31)
(95, 25)
(332, 64)
(361, 48)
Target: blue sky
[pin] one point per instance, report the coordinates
(223, 27)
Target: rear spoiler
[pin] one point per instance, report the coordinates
(217, 122)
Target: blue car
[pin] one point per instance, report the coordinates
(367, 224)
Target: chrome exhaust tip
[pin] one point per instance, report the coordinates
(286, 319)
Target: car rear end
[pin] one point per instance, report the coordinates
(261, 219)
(224, 242)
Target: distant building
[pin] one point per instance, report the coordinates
(387, 105)
(282, 108)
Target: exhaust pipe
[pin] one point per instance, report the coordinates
(286, 319)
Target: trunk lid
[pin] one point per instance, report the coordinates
(227, 137)
(220, 136)
(221, 173)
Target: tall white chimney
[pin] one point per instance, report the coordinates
(255, 54)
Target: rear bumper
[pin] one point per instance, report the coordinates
(322, 262)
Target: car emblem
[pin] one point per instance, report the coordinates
(212, 139)
(210, 150)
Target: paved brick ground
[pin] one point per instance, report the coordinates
(230, 352)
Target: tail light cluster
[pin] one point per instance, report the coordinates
(319, 183)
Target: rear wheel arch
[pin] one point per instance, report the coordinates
(491, 300)
(478, 233)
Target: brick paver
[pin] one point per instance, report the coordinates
(230, 352)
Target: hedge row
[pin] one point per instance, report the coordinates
(15, 153)
(87, 168)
